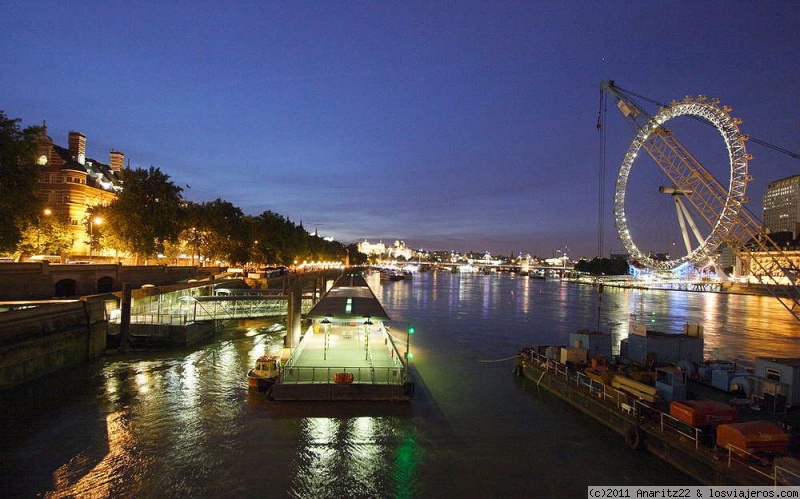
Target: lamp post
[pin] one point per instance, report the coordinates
(409, 331)
(92, 222)
(46, 212)
(327, 326)
(367, 324)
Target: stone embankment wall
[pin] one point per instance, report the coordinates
(38, 341)
(39, 280)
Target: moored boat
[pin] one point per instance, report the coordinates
(264, 374)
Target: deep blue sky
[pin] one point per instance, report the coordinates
(449, 125)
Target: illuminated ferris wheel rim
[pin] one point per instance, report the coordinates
(734, 142)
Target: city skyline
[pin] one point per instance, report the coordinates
(469, 127)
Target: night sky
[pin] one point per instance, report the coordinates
(449, 125)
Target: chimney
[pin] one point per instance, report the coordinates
(117, 160)
(77, 146)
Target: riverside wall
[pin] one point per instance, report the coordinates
(43, 281)
(38, 341)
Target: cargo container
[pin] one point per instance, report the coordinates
(574, 355)
(595, 342)
(667, 348)
(703, 413)
(782, 370)
(671, 383)
(755, 437)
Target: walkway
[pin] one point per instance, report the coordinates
(371, 361)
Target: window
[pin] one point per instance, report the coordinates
(773, 374)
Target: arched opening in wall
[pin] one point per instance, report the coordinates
(66, 287)
(105, 285)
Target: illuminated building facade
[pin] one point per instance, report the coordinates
(782, 206)
(70, 183)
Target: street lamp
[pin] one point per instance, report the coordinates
(411, 330)
(367, 324)
(46, 212)
(92, 223)
(327, 325)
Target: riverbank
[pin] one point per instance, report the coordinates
(702, 286)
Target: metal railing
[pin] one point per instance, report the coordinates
(326, 375)
(639, 408)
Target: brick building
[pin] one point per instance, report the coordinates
(70, 183)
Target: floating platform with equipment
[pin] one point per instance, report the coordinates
(347, 352)
(701, 439)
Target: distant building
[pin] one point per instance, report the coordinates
(70, 183)
(379, 250)
(400, 250)
(370, 249)
(782, 206)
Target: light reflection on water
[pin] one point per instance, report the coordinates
(181, 423)
(353, 457)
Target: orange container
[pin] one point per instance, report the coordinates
(755, 437)
(343, 378)
(702, 413)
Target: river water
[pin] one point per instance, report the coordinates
(181, 423)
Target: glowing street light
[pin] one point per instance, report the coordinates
(410, 331)
(46, 212)
(92, 223)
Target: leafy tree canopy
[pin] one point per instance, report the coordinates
(18, 174)
(146, 214)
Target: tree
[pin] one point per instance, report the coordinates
(49, 235)
(221, 227)
(603, 266)
(18, 174)
(145, 215)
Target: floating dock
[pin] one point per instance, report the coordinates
(347, 353)
(645, 427)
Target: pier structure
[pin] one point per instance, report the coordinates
(185, 314)
(347, 353)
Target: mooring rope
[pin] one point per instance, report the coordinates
(498, 360)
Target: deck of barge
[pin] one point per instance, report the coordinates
(347, 353)
(645, 428)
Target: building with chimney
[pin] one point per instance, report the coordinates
(70, 183)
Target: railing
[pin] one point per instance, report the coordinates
(159, 318)
(642, 411)
(745, 458)
(301, 345)
(681, 428)
(325, 375)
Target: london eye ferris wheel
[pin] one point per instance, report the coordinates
(706, 209)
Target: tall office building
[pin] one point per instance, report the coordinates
(782, 206)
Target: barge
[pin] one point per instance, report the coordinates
(647, 426)
(347, 353)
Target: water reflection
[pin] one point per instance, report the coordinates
(78, 478)
(354, 457)
(735, 326)
(180, 423)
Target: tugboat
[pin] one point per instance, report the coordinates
(264, 374)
